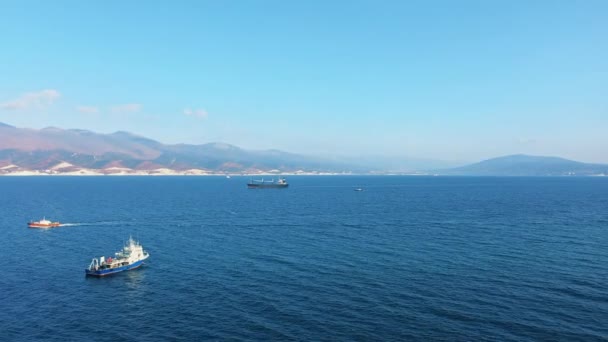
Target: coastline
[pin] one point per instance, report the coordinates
(198, 173)
(289, 174)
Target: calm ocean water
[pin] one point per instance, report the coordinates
(409, 258)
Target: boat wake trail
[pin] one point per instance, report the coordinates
(103, 223)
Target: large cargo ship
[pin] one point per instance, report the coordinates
(131, 256)
(44, 223)
(271, 184)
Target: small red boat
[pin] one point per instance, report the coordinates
(44, 223)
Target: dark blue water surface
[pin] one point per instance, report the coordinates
(409, 258)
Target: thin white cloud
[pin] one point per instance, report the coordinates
(39, 99)
(127, 108)
(87, 109)
(198, 113)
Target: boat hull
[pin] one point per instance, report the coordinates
(38, 225)
(267, 186)
(105, 272)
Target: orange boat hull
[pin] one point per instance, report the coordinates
(38, 225)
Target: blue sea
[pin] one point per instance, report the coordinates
(407, 259)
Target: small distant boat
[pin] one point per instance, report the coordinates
(130, 257)
(44, 223)
(262, 184)
(228, 176)
(358, 189)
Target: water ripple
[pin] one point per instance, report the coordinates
(411, 258)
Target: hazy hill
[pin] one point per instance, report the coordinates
(524, 165)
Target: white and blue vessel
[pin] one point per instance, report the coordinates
(131, 256)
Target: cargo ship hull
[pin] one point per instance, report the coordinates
(267, 186)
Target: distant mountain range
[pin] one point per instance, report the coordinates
(57, 150)
(74, 151)
(524, 165)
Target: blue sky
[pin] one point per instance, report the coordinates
(448, 80)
